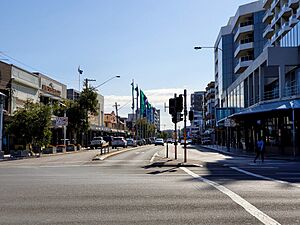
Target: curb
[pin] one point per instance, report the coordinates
(105, 156)
(273, 157)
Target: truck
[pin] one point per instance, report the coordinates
(97, 142)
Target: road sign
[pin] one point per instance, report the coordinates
(61, 121)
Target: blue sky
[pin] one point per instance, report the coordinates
(150, 41)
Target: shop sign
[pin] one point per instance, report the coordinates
(229, 123)
(51, 90)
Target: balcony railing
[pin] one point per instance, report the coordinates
(291, 91)
(270, 95)
(293, 20)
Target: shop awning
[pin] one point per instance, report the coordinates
(270, 107)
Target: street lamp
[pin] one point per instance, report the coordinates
(201, 47)
(65, 126)
(117, 76)
(2, 99)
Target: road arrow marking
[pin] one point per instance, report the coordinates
(153, 157)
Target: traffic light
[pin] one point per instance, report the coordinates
(191, 115)
(179, 103)
(172, 104)
(181, 117)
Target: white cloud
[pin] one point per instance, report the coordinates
(157, 98)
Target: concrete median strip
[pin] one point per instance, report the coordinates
(103, 157)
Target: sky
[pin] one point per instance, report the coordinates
(148, 41)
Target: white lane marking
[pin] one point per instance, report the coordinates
(264, 218)
(198, 165)
(265, 178)
(153, 157)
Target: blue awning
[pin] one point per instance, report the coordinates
(270, 107)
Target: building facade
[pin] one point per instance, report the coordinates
(265, 98)
(198, 107)
(210, 106)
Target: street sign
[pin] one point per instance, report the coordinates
(61, 121)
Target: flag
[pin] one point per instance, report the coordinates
(79, 70)
(143, 104)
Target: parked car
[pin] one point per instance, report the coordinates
(205, 141)
(140, 142)
(97, 142)
(188, 141)
(119, 142)
(159, 141)
(131, 142)
(169, 140)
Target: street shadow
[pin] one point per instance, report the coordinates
(167, 166)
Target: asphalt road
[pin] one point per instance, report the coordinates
(142, 187)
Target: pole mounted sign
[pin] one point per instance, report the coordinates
(61, 121)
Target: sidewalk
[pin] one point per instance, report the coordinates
(244, 153)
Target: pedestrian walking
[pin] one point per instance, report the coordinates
(260, 150)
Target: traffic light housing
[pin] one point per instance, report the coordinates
(191, 115)
(172, 103)
(179, 103)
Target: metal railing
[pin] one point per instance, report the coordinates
(270, 95)
(292, 90)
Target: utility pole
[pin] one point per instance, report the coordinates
(185, 114)
(175, 143)
(86, 81)
(117, 114)
(137, 110)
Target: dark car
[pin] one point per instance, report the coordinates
(108, 139)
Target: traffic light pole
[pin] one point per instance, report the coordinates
(175, 143)
(185, 114)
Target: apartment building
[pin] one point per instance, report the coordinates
(210, 105)
(264, 98)
(197, 106)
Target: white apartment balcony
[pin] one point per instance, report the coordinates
(274, 20)
(242, 65)
(268, 44)
(275, 37)
(293, 4)
(210, 101)
(267, 3)
(243, 47)
(268, 32)
(268, 16)
(284, 28)
(243, 30)
(274, 4)
(286, 11)
(293, 20)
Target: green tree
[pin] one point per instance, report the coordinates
(31, 124)
(78, 111)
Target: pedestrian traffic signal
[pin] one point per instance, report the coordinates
(191, 115)
(179, 103)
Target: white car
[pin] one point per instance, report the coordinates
(159, 141)
(119, 142)
(97, 142)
